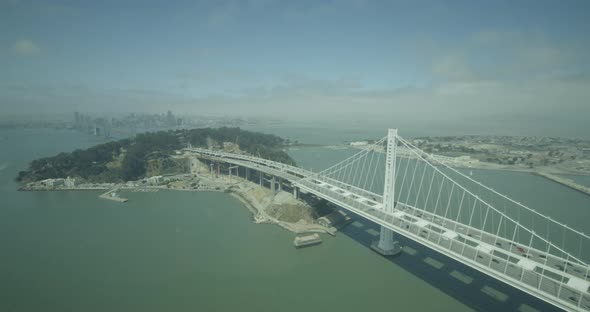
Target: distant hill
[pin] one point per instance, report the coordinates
(130, 159)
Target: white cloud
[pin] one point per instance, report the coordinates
(223, 15)
(506, 55)
(452, 68)
(25, 47)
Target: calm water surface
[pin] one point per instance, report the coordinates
(182, 251)
(175, 251)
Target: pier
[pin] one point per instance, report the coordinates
(112, 195)
(565, 181)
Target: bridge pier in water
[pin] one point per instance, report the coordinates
(386, 245)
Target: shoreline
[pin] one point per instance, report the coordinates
(565, 182)
(553, 177)
(221, 184)
(467, 164)
(261, 217)
(552, 174)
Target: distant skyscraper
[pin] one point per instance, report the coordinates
(76, 119)
(170, 119)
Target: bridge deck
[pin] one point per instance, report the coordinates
(539, 273)
(554, 279)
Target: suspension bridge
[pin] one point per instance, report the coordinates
(409, 192)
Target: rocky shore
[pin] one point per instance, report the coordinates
(279, 208)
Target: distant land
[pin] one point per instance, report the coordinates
(553, 155)
(551, 158)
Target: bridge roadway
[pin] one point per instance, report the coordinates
(539, 273)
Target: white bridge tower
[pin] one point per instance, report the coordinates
(386, 245)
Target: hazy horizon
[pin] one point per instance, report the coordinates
(376, 61)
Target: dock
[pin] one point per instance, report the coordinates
(305, 241)
(112, 195)
(144, 190)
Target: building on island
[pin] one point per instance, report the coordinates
(155, 180)
(359, 143)
(70, 182)
(53, 182)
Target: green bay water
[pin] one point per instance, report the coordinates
(185, 251)
(174, 251)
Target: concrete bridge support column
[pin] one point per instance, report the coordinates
(385, 245)
(272, 184)
(260, 176)
(280, 185)
(295, 193)
(233, 167)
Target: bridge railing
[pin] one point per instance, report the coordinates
(454, 220)
(499, 215)
(521, 265)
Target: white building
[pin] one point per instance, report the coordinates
(70, 182)
(53, 182)
(155, 180)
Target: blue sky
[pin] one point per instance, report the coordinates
(443, 59)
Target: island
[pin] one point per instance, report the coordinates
(156, 161)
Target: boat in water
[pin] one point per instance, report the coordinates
(308, 240)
